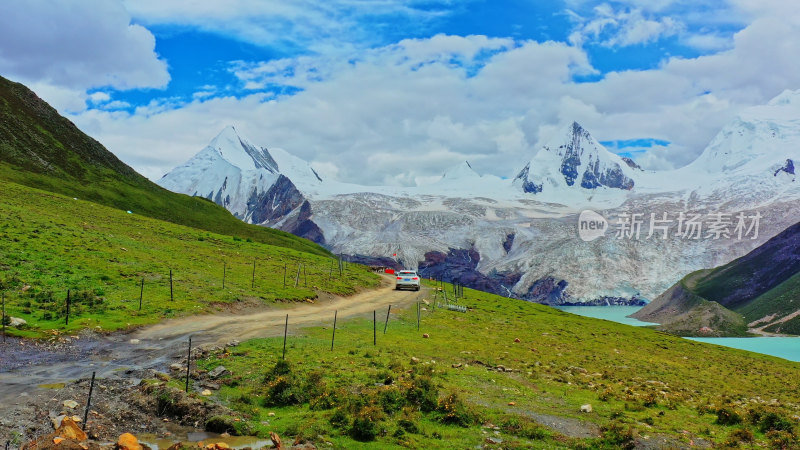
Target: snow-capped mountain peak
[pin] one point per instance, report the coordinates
(243, 178)
(460, 171)
(239, 152)
(762, 140)
(789, 97)
(574, 159)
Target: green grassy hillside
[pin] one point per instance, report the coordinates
(50, 243)
(761, 288)
(40, 148)
(681, 311)
(782, 301)
(512, 371)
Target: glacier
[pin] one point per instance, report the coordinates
(519, 237)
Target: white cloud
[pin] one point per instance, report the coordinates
(622, 27)
(446, 99)
(116, 104)
(323, 26)
(63, 45)
(99, 97)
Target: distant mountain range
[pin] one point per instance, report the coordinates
(519, 237)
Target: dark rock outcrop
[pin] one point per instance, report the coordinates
(594, 177)
(275, 203)
(788, 167)
(280, 201)
(631, 163)
(302, 225)
(548, 291)
(460, 266)
(509, 242)
(528, 186)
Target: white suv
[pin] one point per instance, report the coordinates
(407, 279)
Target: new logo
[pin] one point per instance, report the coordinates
(591, 225)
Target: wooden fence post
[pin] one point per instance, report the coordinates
(333, 338)
(88, 403)
(141, 294)
(188, 365)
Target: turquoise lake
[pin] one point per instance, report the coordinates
(782, 347)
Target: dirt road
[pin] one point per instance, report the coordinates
(219, 329)
(155, 347)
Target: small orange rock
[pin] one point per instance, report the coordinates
(58, 440)
(512, 403)
(276, 440)
(128, 441)
(70, 430)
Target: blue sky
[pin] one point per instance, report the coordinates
(348, 84)
(198, 58)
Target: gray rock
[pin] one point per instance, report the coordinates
(16, 322)
(218, 371)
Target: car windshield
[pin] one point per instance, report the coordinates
(408, 273)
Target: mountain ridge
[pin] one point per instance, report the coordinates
(41, 149)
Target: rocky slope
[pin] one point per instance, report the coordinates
(520, 237)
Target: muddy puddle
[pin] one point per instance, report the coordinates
(202, 438)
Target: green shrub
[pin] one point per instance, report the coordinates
(408, 426)
(782, 440)
(727, 416)
(772, 421)
(454, 411)
(422, 393)
(365, 424)
(283, 391)
(283, 387)
(739, 436)
(615, 435)
(281, 368)
(391, 400)
(339, 419)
